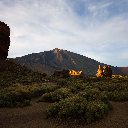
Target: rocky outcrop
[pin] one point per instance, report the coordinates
(4, 40)
(104, 71)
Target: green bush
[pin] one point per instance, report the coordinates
(95, 110)
(62, 82)
(49, 88)
(118, 95)
(77, 107)
(69, 107)
(11, 98)
(19, 94)
(57, 95)
(115, 91)
(91, 93)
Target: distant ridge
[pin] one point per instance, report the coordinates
(58, 59)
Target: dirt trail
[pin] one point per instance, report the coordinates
(34, 117)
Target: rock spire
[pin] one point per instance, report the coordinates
(4, 40)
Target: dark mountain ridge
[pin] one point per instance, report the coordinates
(58, 59)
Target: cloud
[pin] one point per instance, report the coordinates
(92, 28)
(99, 7)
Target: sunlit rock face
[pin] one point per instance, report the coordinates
(4, 40)
(99, 72)
(104, 71)
(75, 73)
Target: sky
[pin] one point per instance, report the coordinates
(97, 29)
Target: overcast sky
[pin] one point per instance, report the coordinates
(97, 29)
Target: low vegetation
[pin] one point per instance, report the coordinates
(90, 99)
(86, 99)
(56, 95)
(21, 95)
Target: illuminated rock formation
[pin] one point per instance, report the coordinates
(99, 72)
(4, 40)
(67, 73)
(104, 71)
(75, 73)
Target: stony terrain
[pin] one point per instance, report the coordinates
(34, 116)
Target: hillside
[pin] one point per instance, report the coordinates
(58, 59)
(124, 70)
(11, 73)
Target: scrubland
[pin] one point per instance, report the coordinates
(80, 100)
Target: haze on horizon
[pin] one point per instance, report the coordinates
(93, 28)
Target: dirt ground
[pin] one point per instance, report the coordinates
(34, 116)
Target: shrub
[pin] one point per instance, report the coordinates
(19, 94)
(49, 88)
(11, 98)
(93, 94)
(95, 110)
(70, 107)
(115, 90)
(62, 82)
(57, 95)
(77, 107)
(118, 95)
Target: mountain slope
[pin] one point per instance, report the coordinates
(124, 70)
(58, 59)
(11, 73)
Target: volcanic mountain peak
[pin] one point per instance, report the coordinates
(56, 50)
(59, 59)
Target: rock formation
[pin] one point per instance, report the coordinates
(99, 72)
(104, 71)
(75, 73)
(4, 40)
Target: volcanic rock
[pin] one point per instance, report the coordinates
(4, 40)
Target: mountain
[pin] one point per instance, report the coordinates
(124, 70)
(58, 59)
